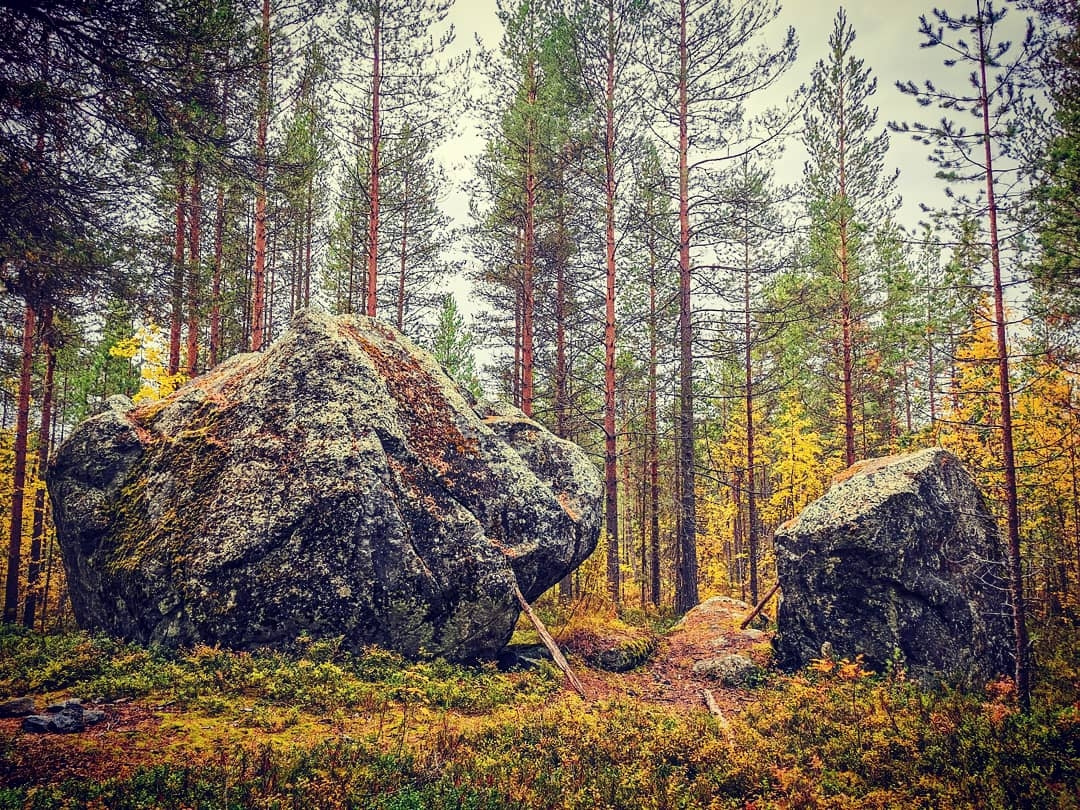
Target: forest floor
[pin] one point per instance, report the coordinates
(141, 730)
(668, 678)
(319, 728)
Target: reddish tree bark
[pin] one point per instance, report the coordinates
(651, 437)
(527, 306)
(38, 532)
(611, 484)
(686, 585)
(1016, 572)
(18, 477)
(258, 274)
(844, 258)
(215, 282)
(376, 138)
(194, 236)
(177, 288)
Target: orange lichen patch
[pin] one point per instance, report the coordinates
(145, 436)
(565, 503)
(422, 408)
(349, 330)
(864, 467)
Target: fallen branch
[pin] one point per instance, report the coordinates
(759, 607)
(549, 642)
(714, 709)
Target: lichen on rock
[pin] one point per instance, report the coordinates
(900, 562)
(338, 484)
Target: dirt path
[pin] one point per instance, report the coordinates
(710, 630)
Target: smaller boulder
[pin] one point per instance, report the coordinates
(18, 707)
(730, 670)
(899, 560)
(625, 656)
(65, 717)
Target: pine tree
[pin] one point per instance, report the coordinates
(996, 89)
(606, 34)
(413, 262)
(527, 199)
(395, 55)
(849, 192)
(688, 39)
(649, 293)
(1057, 273)
(453, 345)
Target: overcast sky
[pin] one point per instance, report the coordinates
(887, 39)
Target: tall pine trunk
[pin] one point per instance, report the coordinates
(18, 476)
(847, 361)
(215, 282)
(194, 237)
(176, 290)
(258, 274)
(611, 485)
(38, 532)
(686, 585)
(1016, 571)
(373, 169)
(527, 303)
(651, 436)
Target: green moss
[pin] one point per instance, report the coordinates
(194, 459)
(372, 730)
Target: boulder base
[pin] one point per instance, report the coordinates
(338, 484)
(899, 561)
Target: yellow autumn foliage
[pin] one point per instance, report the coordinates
(146, 349)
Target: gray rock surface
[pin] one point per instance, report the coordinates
(899, 558)
(337, 484)
(730, 670)
(67, 717)
(18, 707)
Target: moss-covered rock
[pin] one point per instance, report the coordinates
(900, 562)
(338, 484)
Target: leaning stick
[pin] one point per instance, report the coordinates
(549, 642)
(759, 606)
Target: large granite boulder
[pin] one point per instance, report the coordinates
(900, 558)
(337, 484)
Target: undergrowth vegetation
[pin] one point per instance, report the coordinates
(318, 727)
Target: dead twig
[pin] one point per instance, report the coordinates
(549, 642)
